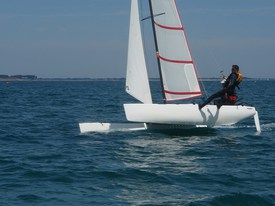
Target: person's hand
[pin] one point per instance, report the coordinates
(225, 96)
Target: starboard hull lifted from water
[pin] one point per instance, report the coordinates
(189, 114)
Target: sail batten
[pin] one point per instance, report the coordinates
(175, 61)
(168, 27)
(179, 76)
(182, 93)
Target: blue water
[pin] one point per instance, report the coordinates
(44, 160)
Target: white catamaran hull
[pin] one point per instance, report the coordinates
(174, 116)
(110, 127)
(189, 114)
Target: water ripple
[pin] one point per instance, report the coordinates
(44, 160)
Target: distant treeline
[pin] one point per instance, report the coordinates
(34, 77)
(27, 77)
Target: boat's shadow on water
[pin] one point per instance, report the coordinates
(186, 132)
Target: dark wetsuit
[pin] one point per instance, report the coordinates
(228, 88)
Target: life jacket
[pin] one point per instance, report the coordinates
(239, 79)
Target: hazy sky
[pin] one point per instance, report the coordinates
(88, 38)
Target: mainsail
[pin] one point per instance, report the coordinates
(177, 67)
(137, 83)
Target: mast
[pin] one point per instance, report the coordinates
(157, 50)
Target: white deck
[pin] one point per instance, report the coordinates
(189, 114)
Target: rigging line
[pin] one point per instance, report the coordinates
(149, 17)
(217, 65)
(201, 82)
(202, 85)
(215, 60)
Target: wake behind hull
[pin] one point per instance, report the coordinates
(188, 114)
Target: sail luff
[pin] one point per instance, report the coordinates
(137, 82)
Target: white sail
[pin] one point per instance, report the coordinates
(177, 67)
(137, 83)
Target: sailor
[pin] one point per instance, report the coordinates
(228, 92)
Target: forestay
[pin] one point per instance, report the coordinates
(178, 71)
(137, 83)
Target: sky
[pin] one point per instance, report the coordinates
(88, 38)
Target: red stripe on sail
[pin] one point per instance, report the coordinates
(182, 93)
(186, 42)
(168, 27)
(178, 99)
(174, 61)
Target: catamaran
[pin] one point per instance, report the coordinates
(178, 78)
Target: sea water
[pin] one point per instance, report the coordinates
(44, 160)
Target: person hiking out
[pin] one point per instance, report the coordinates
(228, 92)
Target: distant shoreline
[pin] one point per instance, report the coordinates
(110, 79)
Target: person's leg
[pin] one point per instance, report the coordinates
(216, 95)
